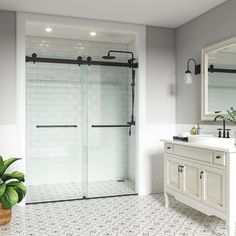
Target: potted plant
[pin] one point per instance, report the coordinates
(12, 190)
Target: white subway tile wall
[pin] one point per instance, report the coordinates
(206, 129)
(72, 95)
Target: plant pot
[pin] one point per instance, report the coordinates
(5, 215)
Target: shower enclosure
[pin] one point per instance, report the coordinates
(80, 120)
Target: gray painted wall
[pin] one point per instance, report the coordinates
(214, 26)
(160, 104)
(160, 46)
(7, 67)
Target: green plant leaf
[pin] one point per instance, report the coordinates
(14, 175)
(18, 185)
(1, 164)
(2, 189)
(21, 195)
(231, 115)
(7, 163)
(9, 198)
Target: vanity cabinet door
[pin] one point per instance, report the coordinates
(191, 179)
(172, 173)
(213, 187)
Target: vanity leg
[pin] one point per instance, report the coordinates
(230, 227)
(166, 199)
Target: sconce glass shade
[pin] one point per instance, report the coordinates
(188, 78)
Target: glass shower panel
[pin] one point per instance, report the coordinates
(109, 156)
(55, 114)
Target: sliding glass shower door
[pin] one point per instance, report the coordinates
(56, 103)
(78, 140)
(109, 143)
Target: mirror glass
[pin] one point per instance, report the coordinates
(219, 78)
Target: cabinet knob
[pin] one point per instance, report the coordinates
(218, 157)
(168, 148)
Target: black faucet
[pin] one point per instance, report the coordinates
(224, 130)
(224, 134)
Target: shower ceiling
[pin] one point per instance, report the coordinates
(71, 32)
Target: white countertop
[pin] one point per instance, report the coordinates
(197, 145)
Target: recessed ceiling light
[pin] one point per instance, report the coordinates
(92, 33)
(48, 29)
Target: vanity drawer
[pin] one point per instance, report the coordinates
(219, 158)
(169, 148)
(194, 153)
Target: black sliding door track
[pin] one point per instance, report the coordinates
(84, 198)
(80, 62)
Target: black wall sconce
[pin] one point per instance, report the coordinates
(188, 77)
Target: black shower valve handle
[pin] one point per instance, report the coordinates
(130, 123)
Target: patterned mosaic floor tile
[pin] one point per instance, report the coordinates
(119, 216)
(55, 192)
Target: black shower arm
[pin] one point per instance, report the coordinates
(125, 52)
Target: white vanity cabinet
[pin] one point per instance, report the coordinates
(191, 182)
(202, 177)
(173, 177)
(196, 181)
(213, 187)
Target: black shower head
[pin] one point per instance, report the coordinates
(108, 57)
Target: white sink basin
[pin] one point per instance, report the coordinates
(212, 140)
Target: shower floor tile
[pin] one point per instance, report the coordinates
(118, 216)
(55, 192)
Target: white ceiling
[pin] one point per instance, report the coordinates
(165, 13)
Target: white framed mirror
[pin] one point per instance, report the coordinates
(218, 73)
